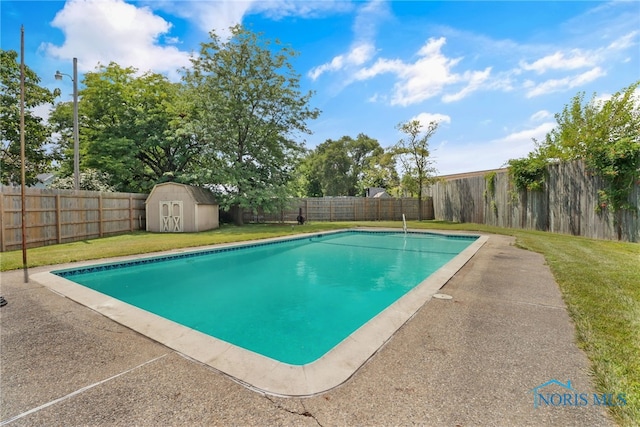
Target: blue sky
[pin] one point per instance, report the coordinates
(492, 73)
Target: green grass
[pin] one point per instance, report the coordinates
(143, 242)
(600, 284)
(598, 280)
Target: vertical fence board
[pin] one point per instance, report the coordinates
(57, 221)
(2, 233)
(568, 204)
(60, 216)
(100, 216)
(347, 209)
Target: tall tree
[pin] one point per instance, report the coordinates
(248, 113)
(36, 131)
(131, 128)
(340, 167)
(364, 152)
(306, 174)
(61, 124)
(332, 165)
(414, 155)
(381, 172)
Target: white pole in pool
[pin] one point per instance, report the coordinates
(404, 224)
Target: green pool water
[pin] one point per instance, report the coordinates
(293, 300)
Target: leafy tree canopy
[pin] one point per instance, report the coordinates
(528, 173)
(247, 115)
(36, 131)
(605, 134)
(342, 167)
(90, 180)
(131, 128)
(381, 172)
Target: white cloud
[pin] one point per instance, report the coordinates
(563, 84)
(43, 111)
(208, 16)
(362, 48)
(358, 55)
(376, 97)
(540, 115)
(427, 77)
(601, 98)
(420, 80)
(365, 26)
(381, 66)
(426, 118)
(336, 64)
(625, 42)
(476, 79)
(560, 61)
(278, 9)
(101, 31)
(220, 15)
(596, 62)
(527, 135)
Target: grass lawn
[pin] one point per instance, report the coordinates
(599, 281)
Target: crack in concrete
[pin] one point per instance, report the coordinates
(305, 413)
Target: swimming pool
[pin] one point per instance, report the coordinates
(287, 304)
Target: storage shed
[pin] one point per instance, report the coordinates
(176, 208)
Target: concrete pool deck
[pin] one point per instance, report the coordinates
(474, 359)
(255, 370)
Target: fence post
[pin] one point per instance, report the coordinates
(130, 212)
(100, 232)
(364, 209)
(2, 244)
(58, 220)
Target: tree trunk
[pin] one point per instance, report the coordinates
(237, 213)
(618, 223)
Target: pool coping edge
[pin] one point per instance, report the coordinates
(258, 372)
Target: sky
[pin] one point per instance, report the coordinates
(492, 74)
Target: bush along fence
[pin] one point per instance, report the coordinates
(568, 203)
(346, 209)
(61, 216)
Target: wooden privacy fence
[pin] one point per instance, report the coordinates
(347, 209)
(568, 204)
(61, 216)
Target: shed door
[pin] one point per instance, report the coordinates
(171, 216)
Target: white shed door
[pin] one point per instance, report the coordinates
(171, 216)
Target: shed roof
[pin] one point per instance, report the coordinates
(200, 195)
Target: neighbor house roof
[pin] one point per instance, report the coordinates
(470, 174)
(381, 195)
